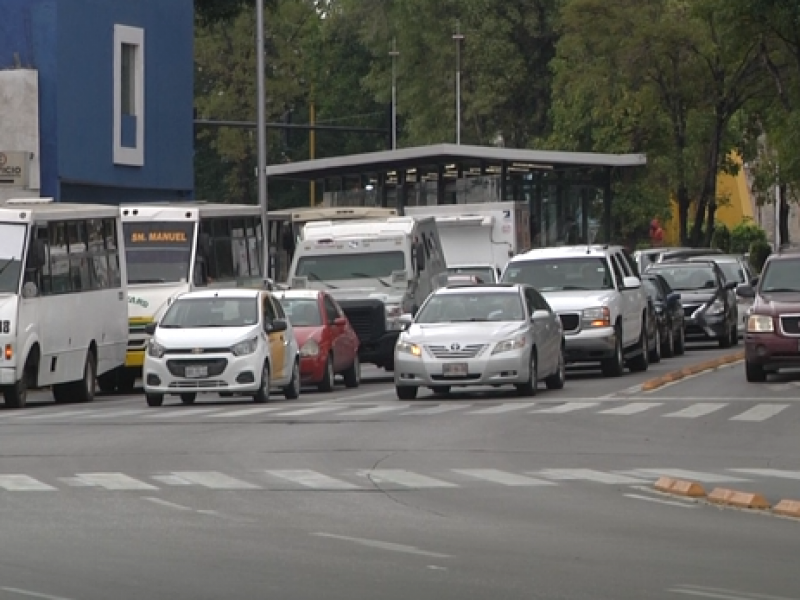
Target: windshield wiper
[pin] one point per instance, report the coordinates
(170, 326)
(365, 276)
(472, 320)
(769, 291)
(134, 281)
(315, 277)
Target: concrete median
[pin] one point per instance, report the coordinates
(677, 375)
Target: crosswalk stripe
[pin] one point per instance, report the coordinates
(375, 410)
(118, 413)
(405, 478)
(246, 412)
(23, 483)
(682, 474)
(697, 410)
(312, 479)
(215, 480)
(56, 415)
(777, 473)
(179, 412)
(630, 409)
(589, 475)
(309, 411)
(502, 408)
(565, 408)
(762, 412)
(171, 480)
(114, 481)
(435, 410)
(502, 477)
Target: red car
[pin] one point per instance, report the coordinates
(328, 344)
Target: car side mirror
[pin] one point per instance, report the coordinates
(754, 282)
(731, 285)
(746, 291)
(340, 321)
(405, 320)
(150, 328)
(277, 326)
(631, 283)
(673, 297)
(540, 314)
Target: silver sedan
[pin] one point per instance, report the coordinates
(482, 335)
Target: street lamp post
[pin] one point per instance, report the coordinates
(261, 137)
(394, 54)
(458, 37)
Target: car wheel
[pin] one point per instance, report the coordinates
(352, 377)
(441, 390)
(557, 380)
(655, 353)
(188, 397)
(725, 341)
(614, 366)
(755, 373)
(680, 342)
(668, 345)
(406, 392)
(262, 395)
(640, 362)
(292, 391)
(326, 385)
(529, 388)
(734, 335)
(154, 399)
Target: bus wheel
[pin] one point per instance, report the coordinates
(84, 390)
(16, 395)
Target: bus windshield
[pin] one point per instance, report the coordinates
(158, 251)
(339, 267)
(12, 245)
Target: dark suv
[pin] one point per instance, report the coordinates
(709, 303)
(772, 340)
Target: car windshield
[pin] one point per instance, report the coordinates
(689, 277)
(12, 243)
(189, 313)
(341, 267)
(561, 274)
(302, 312)
(733, 271)
(461, 307)
(485, 274)
(158, 252)
(781, 276)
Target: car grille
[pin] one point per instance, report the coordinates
(185, 351)
(570, 321)
(215, 366)
(791, 325)
(198, 384)
(689, 310)
(467, 351)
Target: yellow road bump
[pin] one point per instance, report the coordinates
(738, 499)
(691, 370)
(680, 487)
(787, 508)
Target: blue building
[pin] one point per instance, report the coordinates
(115, 95)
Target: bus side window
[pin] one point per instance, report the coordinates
(59, 259)
(37, 267)
(112, 253)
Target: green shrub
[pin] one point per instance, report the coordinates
(759, 252)
(744, 235)
(721, 238)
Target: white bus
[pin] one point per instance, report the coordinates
(63, 309)
(173, 248)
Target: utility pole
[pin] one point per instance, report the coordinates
(458, 37)
(312, 146)
(394, 54)
(777, 229)
(261, 136)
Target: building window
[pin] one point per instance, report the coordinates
(129, 69)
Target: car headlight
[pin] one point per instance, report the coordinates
(508, 345)
(310, 348)
(409, 348)
(760, 324)
(597, 317)
(715, 308)
(155, 349)
(246, 347)
(393, 311)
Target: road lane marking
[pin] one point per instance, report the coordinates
(653, 474)
(502, 408)
(502, 477)
(660, 501)
(697, 410)
(777, 473)
(114, 481)
(387, 392)
(167, 504)
(57, 415)
(170, 480)
(404, 478)
(722, 594)
(565, 408)
(375, 410)
(588, 475)
(23, 483)
(215, 480)
(179, 412)
(31, 594)
(630, 409)
(312, 479)
(761, 412)
(119, 413)
(309, 411)
(246, 412)
(435, 410)
(383, 545)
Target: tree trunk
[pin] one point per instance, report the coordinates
(708, 195)
(683, 214)
(710, 220)
(783, 222)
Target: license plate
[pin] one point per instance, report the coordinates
(196, 372)
(455, 370)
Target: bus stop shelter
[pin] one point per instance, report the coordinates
(561, 189)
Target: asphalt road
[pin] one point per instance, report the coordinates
(356, 495)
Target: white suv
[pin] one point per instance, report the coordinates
(598, 295)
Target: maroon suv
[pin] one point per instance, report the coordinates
(772, 341)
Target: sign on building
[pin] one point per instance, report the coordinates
(14, 169)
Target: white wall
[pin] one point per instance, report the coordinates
(19, 124)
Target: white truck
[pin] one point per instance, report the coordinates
(377, 269)
(479, 239)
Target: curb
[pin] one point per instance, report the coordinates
(726, 498)
(708, 365)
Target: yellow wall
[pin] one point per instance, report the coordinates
(732, 211)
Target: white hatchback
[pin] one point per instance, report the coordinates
(235, 341)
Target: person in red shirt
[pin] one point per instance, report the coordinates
(656, 233)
